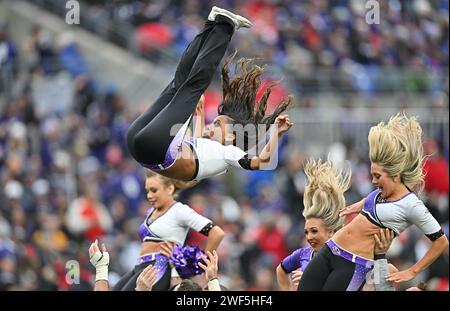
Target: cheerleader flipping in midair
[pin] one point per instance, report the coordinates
(178, 156)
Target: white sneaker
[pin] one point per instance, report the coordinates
(239, 21)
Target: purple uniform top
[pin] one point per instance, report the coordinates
(300, 258)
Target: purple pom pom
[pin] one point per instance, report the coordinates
(186, 259)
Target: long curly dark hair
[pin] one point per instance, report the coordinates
(239, 95)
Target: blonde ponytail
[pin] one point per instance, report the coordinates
(397, 146)
(324, 193)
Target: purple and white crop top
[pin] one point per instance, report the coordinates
(173, 225)
(400, 214)
(300, 258)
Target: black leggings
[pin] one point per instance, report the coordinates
(149, 136)
(128, 281)
(329, 272)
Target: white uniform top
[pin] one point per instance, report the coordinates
(400, 214)
(173, 225)
(214, 158)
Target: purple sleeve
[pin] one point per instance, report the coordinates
(369, 203)
(292, 262)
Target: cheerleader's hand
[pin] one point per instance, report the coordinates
(146, 279)
(295, 278)
(401, 276)
(100, 260)
(283, 124)
(200, 109)
(211, 266)
(351, 209)
(166, 248)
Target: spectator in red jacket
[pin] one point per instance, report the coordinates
(270, 239)
(436, 169)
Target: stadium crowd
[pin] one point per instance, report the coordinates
(301, 38)
(66, 177)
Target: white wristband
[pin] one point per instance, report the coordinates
(100, 260)
(101, 273)
(214, 286)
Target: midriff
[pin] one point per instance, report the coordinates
(184, 166)
(357, 237)
(149, 247)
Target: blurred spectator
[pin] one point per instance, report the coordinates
(295, 184)
(436, 181)
(50, 236)
(270, 240)
(9, 61)
(88, 217)
(7, 264)
(436, 169)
